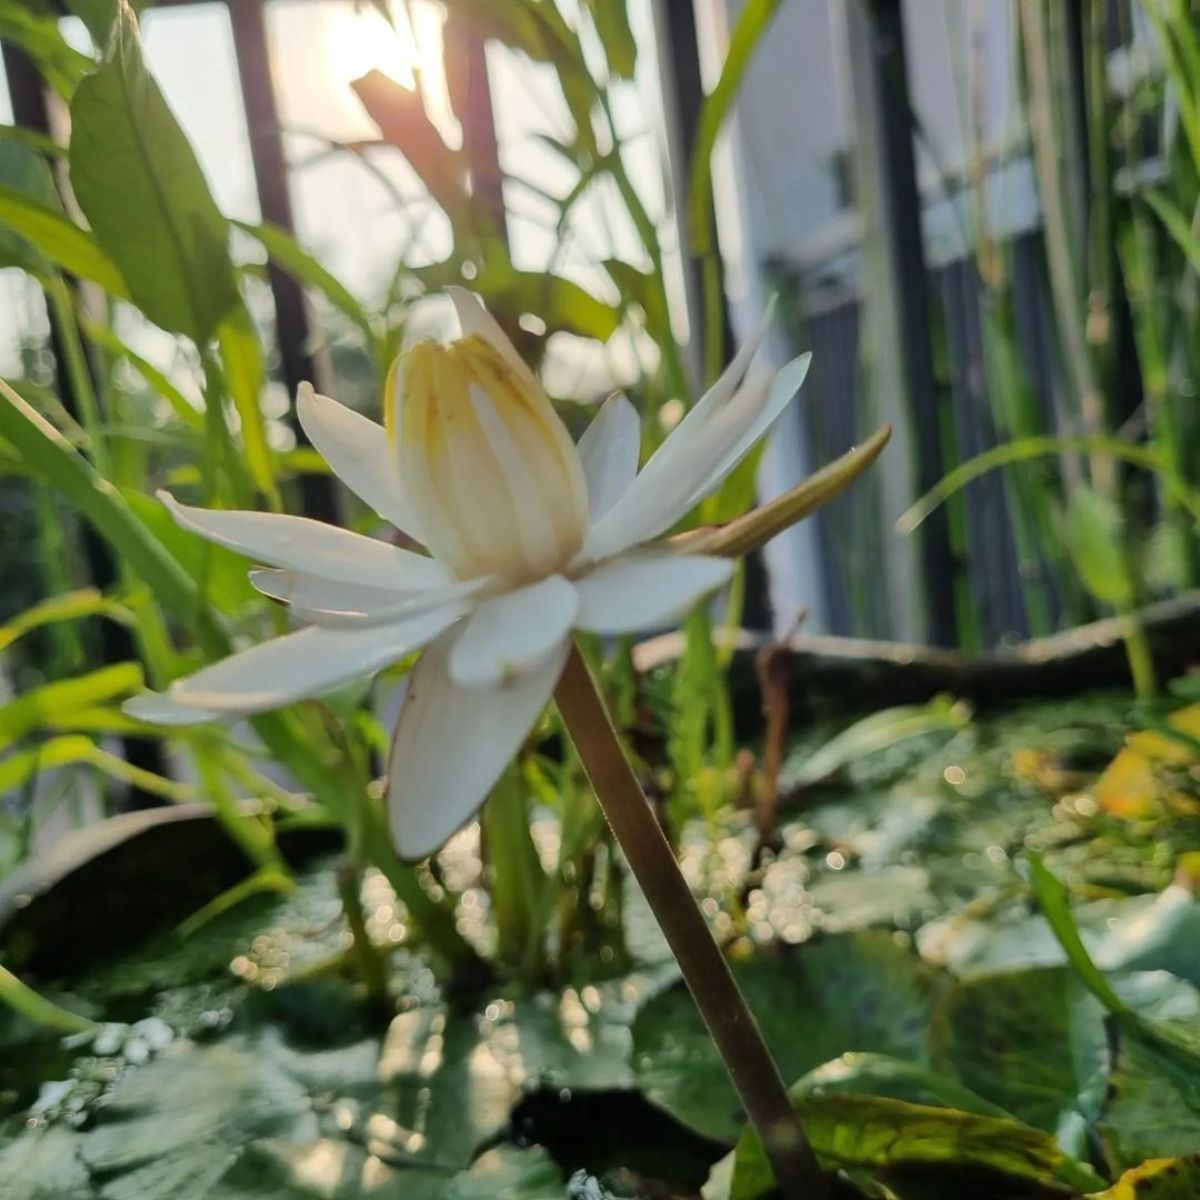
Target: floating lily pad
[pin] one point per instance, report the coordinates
(1030, 1041)
(863, 991)
(883, 1136)
(1162, 1179)
(1153, 1104)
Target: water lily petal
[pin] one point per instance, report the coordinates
(360, 453)
(646, 591)
(334, 605)
(307, 594)
(311, 547)
(305, 663)
(452, 744)
(509, 633)
(768, 396)
(609, 448)
(475, 320)
(157, 708)
(695, 458)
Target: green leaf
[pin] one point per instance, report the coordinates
(185, 411)
(246, 378)
(853, 1131)
(18, 770)
(537, 28)
(1153, 1104)
(882, 1075)
(1177, 225)
(1162, 1179)
(31, 139)
(70, 606)
(752, 23)
(877, 732)
(1095, 536)
(51, 456)
(611, 18)
(1028, 1041)
(98, 16)
(509, 1173)
(31, 711)
(139, 184)
(67, 246)
(36, 1008)
(288, 254)
(40, 37)
(1054, 901)
(172, 1128)
(221, 570)
(44, 1165)
(560, 302)
(1028, 448)
(860, 992)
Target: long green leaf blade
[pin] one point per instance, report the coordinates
(62, 241)
(139, 184)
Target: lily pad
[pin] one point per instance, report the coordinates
(43, 1164)
(894, 1079)
(851, 1131)
(1030, 1041)
(1161, 1179)
(863, 991)
(1153, 1104)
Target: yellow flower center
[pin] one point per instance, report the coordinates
(486, 462)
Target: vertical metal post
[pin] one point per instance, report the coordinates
(248, 21)
(27, 93)
(682, 86)
(895, 296)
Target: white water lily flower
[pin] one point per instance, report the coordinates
(529, 536)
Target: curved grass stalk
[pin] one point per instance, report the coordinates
(1046, 447)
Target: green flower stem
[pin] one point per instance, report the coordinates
(371, 964)
(29, 1004)
(721, 1004)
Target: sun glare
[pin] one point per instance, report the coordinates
(364, 41)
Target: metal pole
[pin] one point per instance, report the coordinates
(292, 331)
(903, 348)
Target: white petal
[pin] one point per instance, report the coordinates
(305, 663)
(356, 609)
(646, 591)
(609, 449)
(474, 320)
(772, 394)
(157, 708)
(508, 634)
(311, 593)
(360, 453)
(311, 547)
(694, 460)
(452, 744)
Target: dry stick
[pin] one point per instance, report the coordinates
(721, 1003)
